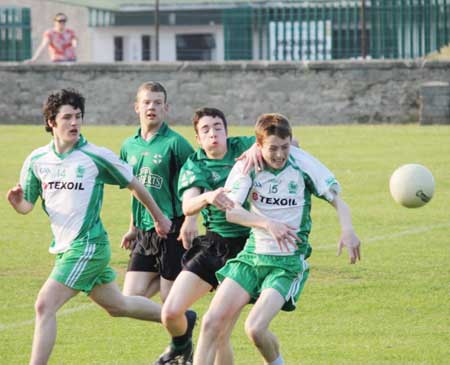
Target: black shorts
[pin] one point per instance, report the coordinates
(209, 253)
(150, 253)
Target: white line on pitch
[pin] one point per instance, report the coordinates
(389, 236)
(63, 312)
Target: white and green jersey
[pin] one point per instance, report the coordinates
(283, 195)
(71, 188)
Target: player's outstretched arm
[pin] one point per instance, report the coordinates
(283, 234)
(162, 223)
(348, 236)
(194, 201)
(17, 201)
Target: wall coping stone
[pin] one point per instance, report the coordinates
(227, 66)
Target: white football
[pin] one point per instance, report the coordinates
(412, 185)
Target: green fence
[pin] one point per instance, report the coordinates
(321, 30)
(15, 34)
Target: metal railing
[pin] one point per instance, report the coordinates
(15, 34)
(321, 30)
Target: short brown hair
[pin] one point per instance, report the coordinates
(272, 124)
(209, 112)
(152, 86)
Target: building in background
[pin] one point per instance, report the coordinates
(202, 30)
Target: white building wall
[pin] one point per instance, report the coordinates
(103, 42)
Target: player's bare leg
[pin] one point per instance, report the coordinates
(116, 304)
(145, 284)
(165, 288)
(51, 297)
(257, 324)
(178, 320)
(224, 353)
(225, 308)
(187, 289)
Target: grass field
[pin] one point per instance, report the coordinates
(391, 308)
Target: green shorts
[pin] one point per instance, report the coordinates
(254, 273)
(84, 265)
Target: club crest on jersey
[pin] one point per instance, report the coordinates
(157, 159)
(292, 187)
(80, 171)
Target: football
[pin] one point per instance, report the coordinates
(412, 185)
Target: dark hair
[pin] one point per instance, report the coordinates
(209, 112)
(152, 86)
(272, 124)
(56, 100)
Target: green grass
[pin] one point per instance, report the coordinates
(391, 308)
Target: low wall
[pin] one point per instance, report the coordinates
(333, 92)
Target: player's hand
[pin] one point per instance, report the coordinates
(220, 199)
(252, 158)
(284, 234)
(353, 244)
(128, 238)
(15, 196)
(162, 227)
(188, 231)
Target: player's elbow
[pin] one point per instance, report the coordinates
(187, 211)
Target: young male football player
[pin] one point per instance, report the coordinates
(69, 175)
(272, 269)
(201, 186)
(156, 154)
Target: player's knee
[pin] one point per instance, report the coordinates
(43, 307)
(213, 323)
(254, 331)
(170, 313)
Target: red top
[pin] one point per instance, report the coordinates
(60, 45)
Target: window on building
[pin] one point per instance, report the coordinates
(118, 48)
(146, 50)
(195, 47)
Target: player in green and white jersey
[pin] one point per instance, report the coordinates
(69, 174)
(156, 154)
(201, 183)
(272, 269)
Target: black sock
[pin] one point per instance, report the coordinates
(181, 342)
